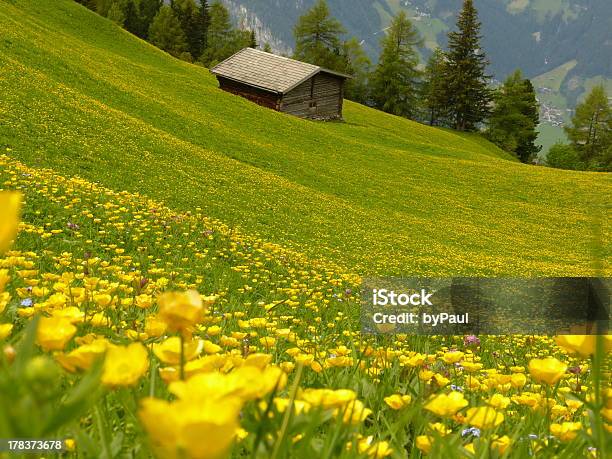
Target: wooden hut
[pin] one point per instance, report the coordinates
(283, 84)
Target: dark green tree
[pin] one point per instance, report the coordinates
(394, 82)
(91, 4)
(166, 33)
(222, 38)
(563, 156)
(116, 11)
(189, 14)
(359, 66)
(433, 96)
(468, 94)
(591, 130)
(132, 22)
(515, 118)
(317, 38)
(253, 40)
(147, 10)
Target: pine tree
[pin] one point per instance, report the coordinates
(166, 33)
(591, 130)
(433, 97)
(394, 83)
(253, 40)
(132, 22)
(116, 12)
(359, 66)
(527, 148)
(514, 120)
(147, 10)
(468, 95)
(317, 38)
(189, 15)
(222, 38)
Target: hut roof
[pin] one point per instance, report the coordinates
(268, 71)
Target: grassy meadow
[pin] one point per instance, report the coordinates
(185, 280)
(377, 193)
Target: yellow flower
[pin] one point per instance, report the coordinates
(154, 326)
(566, 431)
(439, 428)
(54, 332)
(375, 450)
(83, 356)
(101, 299)
(5, 330)
(498, 401)
(70, 444)
(440, 380)
(10, 206)
(182, 429)
(169, 351)
(180, 310)
(548, 370)
(144, 301)
(446, 405)
(583, 345)
(483, 417)
(354, 412)
(424, 442)
(125, 365)
(452, 357)
(281, 405)
(398, 401)
(518, 380)
(328, 398)
(4, 279)
(245, 383)
(501, 444)
(413, 361)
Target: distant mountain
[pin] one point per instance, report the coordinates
(565, 46)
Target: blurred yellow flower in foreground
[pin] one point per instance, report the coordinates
(169, 351)
(583, 345)
(483, 417)
(10, 205)
(424, 442)
(446, 405)
(125, 365)
(180, 310)
(183, 429)
(548, 370)
(4, 279)
(83, 356)
(501, 444)
(5, 330)
(54, 332)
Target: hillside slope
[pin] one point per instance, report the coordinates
(376, 194)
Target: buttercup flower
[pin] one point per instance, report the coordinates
(125, 365)
(548, 370)
(180, 310)
(398, 401)
(169, 351)
(566, 431)
(446, 405)
(54, 332)
(483, 417)
(10, 205)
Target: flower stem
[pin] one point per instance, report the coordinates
(182, 363)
